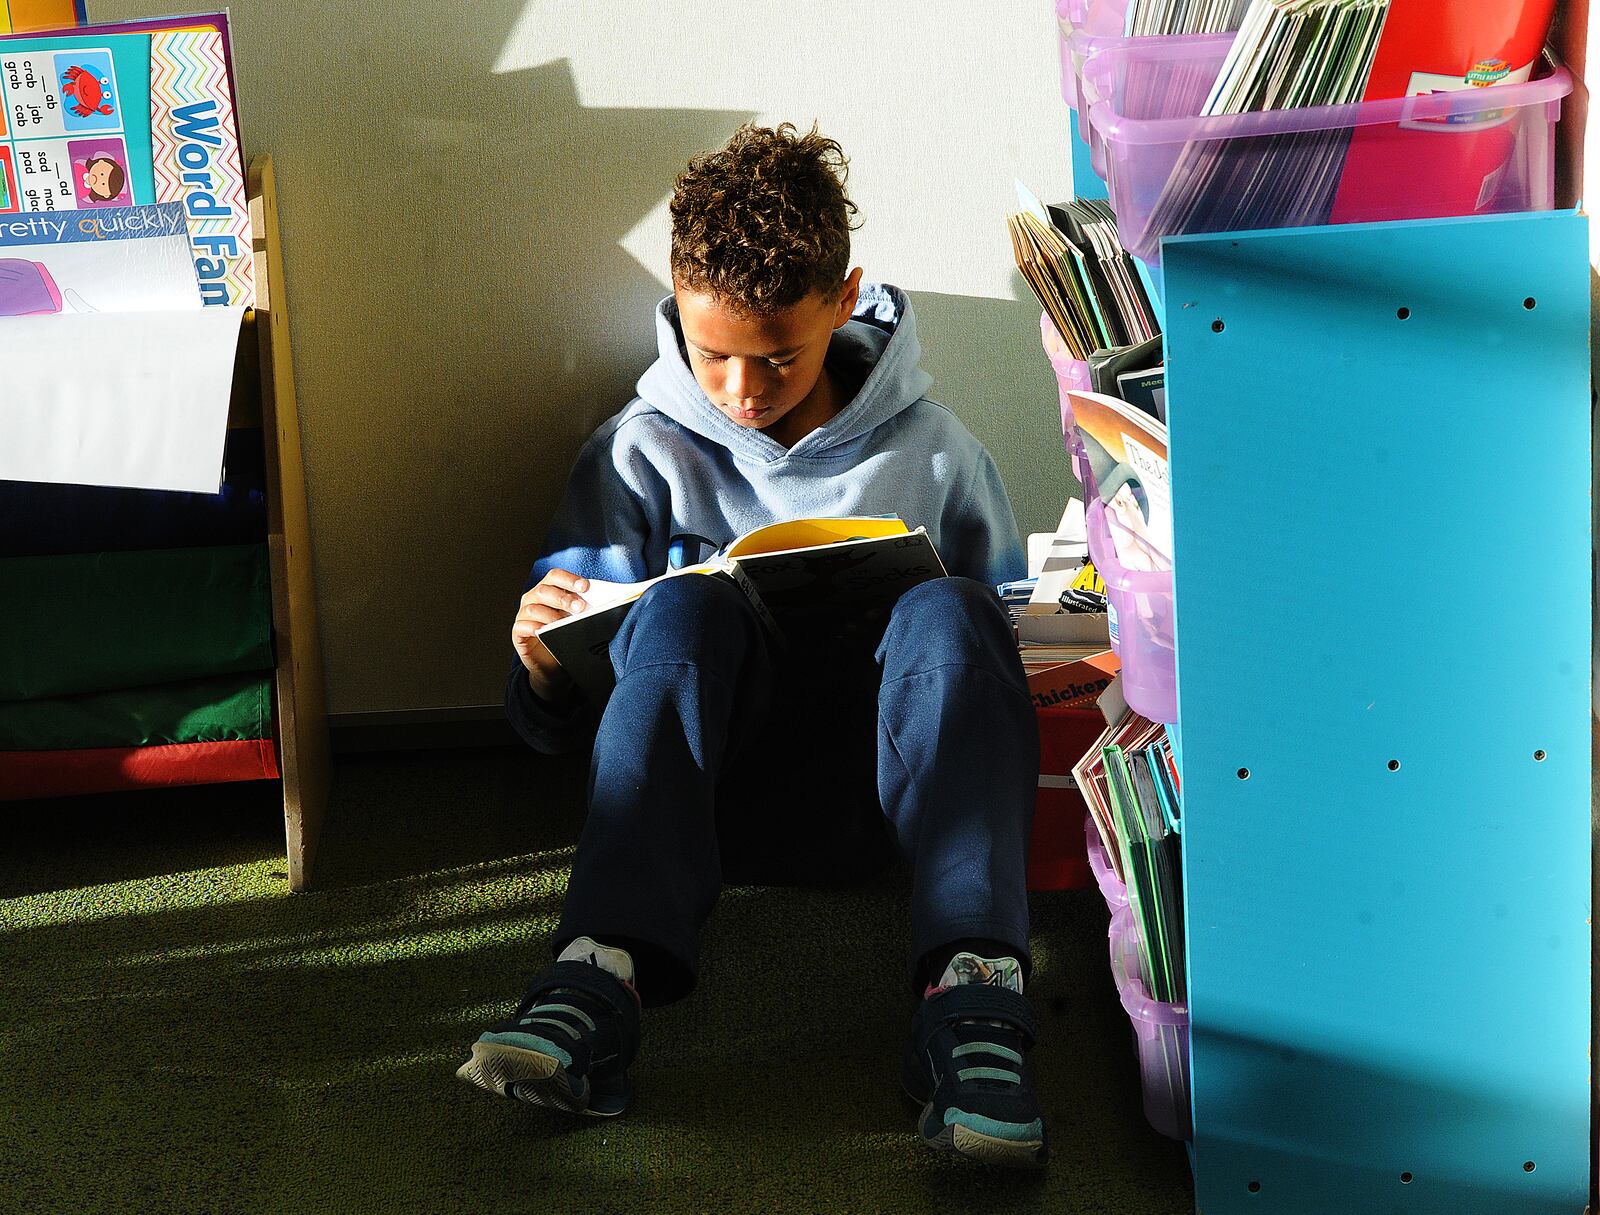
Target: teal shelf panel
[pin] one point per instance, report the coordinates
(1381, 485)
(1086, 183)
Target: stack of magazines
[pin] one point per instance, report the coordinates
(1085, 280)
(1288, 54)
(1183, 16)
(1130, 780)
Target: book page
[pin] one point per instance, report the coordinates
(603, 595)
(809, 533)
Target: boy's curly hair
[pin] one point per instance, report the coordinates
(764, 221)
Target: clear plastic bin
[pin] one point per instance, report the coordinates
(1105, 874)
(1072, 375)
(1141, 618)
(1460, 152)
(1160, 1036)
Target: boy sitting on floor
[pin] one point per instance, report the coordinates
(784, 389)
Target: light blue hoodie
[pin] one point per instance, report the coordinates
(670, 480)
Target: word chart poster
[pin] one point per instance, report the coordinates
(63, 130)
(100, 119)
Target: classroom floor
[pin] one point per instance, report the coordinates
(179, 1034)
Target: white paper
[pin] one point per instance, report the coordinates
(1029, 202)
(1069, 549)
(137, 399)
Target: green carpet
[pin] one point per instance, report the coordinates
(179, 1034)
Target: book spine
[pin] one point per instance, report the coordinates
(743, 582)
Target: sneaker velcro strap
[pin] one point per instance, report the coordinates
(978, 1002)
(593, 981)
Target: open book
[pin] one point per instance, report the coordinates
(797, 575)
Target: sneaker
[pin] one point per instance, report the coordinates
(966, 1065)
(567, 1047)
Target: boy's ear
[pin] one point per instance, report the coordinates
(847, 302)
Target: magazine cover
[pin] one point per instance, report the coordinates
(1431, 45)
(1127, 449)
(1449, 166)
(132, 114)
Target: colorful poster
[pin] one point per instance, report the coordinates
(131, 114)
(50, 95)
(115, 374)
(124, 259)
(195, 157)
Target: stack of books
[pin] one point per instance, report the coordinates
(1083, 277)
(1059, 616)
(1288, 54)
(1129, 778)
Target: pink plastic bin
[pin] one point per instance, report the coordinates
(1141, 619)
(1160, 1035)
(1105, 875)
(1461, 152)
(1072, 375)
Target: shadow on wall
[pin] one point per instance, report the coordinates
(463, 316)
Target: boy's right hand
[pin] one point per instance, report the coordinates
(556, 597)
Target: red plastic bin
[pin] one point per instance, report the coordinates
(1057, 856)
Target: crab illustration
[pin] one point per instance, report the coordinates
(90, 91)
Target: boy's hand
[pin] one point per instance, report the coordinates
(555, 598)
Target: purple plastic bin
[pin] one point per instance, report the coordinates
(1064, 32)
(1099, 26)
(1461, 152)
(1141, 619)
(1105, 875)
(1160, 1035)
(1065, 24)
(1072, 375)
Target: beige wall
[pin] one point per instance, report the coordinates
(473, 207)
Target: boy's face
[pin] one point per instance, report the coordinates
(761, 371)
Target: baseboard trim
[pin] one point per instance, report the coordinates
(421, 730)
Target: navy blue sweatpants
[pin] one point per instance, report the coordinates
(722, 758)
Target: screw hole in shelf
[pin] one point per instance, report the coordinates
(1405, 1178)
(1244, 773)
(1539, 755)
(1527, 1166)
(1530, 303)
(1404, 314)
(1217, 326)
(1394, 765)
(1254, 1187)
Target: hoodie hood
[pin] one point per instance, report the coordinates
(879, 343)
